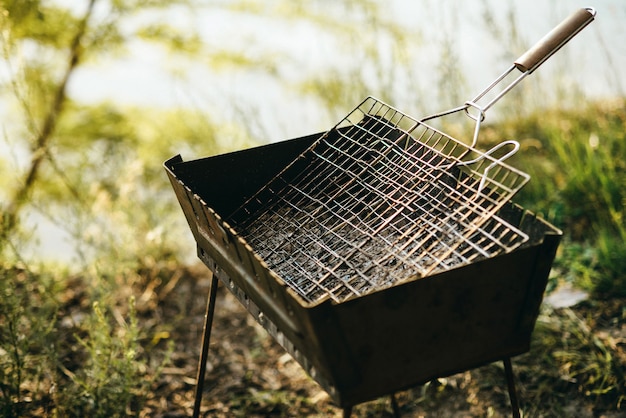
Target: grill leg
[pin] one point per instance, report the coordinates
(347, 412)
(510, 379)
(206, 338)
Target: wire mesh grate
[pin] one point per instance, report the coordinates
(379, 199)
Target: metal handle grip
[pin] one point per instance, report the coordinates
(554, 40)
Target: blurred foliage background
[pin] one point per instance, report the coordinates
(96, 94)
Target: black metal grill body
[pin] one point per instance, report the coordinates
(386, 340)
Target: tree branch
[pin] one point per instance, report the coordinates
(42, 142)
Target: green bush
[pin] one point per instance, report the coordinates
(59, 359)
(28, 325)
(611, 265)
(112, 379)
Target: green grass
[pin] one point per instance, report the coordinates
(576, 354)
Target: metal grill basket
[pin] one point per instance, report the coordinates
(379, 199)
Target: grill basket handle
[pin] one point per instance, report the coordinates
(527, 63)
(554, 40)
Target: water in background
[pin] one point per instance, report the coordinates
(590, 63)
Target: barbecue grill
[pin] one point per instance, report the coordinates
(382, 253)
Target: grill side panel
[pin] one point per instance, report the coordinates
(443, 324)
(225, 181)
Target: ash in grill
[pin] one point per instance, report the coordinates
(376, 202)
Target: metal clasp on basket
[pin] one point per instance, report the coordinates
(483, 180)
